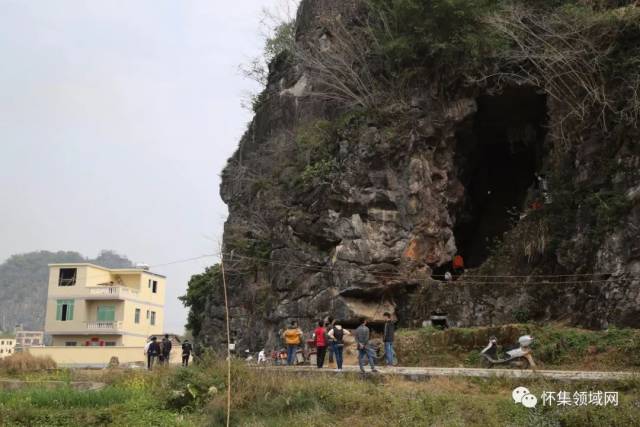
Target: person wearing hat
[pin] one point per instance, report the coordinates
(152, 350)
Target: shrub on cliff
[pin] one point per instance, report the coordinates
(417, 32)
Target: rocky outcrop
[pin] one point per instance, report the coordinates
(337, 213)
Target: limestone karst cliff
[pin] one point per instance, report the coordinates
(387, 142)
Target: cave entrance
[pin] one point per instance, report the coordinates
(498, 154)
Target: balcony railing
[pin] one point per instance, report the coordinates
(104, 325)
(113, 291)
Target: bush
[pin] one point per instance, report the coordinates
(520, 315)
(318, 173)
(419, 33)
(316, 140)
(26, 362)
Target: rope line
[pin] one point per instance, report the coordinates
(580, 278)
(483, 279)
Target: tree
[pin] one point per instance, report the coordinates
(200, 289)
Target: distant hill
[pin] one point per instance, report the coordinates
(23, 284)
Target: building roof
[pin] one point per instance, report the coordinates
(131, 270)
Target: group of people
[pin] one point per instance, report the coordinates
(161, 351)
(329, 336)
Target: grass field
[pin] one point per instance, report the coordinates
(556, 346)
(196, 396)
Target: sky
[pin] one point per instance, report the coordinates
(116, 119)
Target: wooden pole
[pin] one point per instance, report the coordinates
(226, 311)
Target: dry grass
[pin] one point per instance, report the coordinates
(25, 362)
(435, 385)
(556, 347)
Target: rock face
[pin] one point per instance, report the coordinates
(359, 218)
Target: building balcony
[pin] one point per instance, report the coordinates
(104, 325)
(113, 292)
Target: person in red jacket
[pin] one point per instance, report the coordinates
(458, 265)
(320, 341)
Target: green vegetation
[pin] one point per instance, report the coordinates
(316, 143)
(315, 134)
(556, 347)
(427, 33)
(609, 208)
(197, 396)
(257, 249)
(200, 289)
(279, 41)
(130, 398)
(316, 140)
(318, 172)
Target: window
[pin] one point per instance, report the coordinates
(154, 287)
(137, 316)
(70, 343)
(153, 317)
(1, 342)
(110, 343)
(64, 312)
(106, 313)
(149, 285)
(147, 314)
(1, 351)
(67, 277)
(9, 351)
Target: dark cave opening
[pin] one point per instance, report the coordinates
(497, 154)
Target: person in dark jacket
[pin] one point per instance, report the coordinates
(152, 350)
(187, 348)
(389, 332)
(329, 323)
(364, 350)
(166, 349)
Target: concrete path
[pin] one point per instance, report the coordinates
(419, 373)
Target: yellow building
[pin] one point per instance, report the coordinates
(89, 305)
(7, 346)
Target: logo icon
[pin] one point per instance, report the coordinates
(523, 395)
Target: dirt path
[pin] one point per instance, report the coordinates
(11, 384)
(417, 373)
